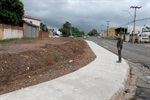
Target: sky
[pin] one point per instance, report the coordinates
(88, 14)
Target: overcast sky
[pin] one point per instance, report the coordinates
(87, 14)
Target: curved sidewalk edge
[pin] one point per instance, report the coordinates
(99, 80)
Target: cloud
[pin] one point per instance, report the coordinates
(86, 14)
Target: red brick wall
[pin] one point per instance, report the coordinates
(43, 34)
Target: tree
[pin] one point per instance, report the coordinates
(123, 33)
(11, 12)
(76, 32)
(68, 30)
(93, 33)
(43, 27)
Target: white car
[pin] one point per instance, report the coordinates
(55, 36)
(71, 36)
(143, 37)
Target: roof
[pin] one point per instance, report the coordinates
(50, 29)
(30, 17)
(30, 24)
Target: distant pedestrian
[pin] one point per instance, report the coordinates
(119, 47)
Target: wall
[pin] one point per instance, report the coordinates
(43, 34)
(137, 29)
(35, 22)
(30, 30)
(9, 32)
(127, 37)
(1, 32)
(111, 33)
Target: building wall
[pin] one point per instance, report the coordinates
(1, 32)
(111, 33)
(32, 32)
(9, 32)
(25, 30)
(43, 34)
(127, 37)
(105, 34)
(35, 22)
(138, 29)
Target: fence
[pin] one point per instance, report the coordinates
(8, 32)
(43, 34)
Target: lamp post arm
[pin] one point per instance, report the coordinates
(128, 12)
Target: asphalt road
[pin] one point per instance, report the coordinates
(137, 53)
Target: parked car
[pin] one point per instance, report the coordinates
(98, 37)
(143, 37)
(56, 36)
(71, 36)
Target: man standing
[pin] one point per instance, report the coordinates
(119, 47)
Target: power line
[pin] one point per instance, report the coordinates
(143, 19)
(135, 21)
(144, 2)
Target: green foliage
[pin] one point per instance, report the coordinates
(11, 12)
(67, 30)
(43, 27)
(122, 32)
(93, 33)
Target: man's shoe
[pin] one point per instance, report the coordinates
(118, 61)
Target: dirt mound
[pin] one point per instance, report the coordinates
(48, 61)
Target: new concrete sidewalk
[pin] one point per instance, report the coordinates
(99, 80)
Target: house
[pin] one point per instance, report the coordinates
(51, 32)
(32, 20)
(30, 30)
(110, 33)
(128, 32)
(138, 29)
(31, 26)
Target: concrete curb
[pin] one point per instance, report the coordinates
(118, 95)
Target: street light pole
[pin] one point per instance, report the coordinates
(135, 7)
(102, 30)
(70, 30)
(107, 28)
(129, 13)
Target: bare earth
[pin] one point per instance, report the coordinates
(26, 63)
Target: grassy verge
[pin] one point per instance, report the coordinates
(7, 41)
(81, 38)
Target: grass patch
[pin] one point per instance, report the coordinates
(81, 38)
(7, 41)
(4, 42)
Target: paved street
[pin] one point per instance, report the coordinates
(137, 53)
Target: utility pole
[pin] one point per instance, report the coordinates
(134, 7)
(70, 31)
(107, 28)
(101, 30)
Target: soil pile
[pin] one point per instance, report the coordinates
(47, 60)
